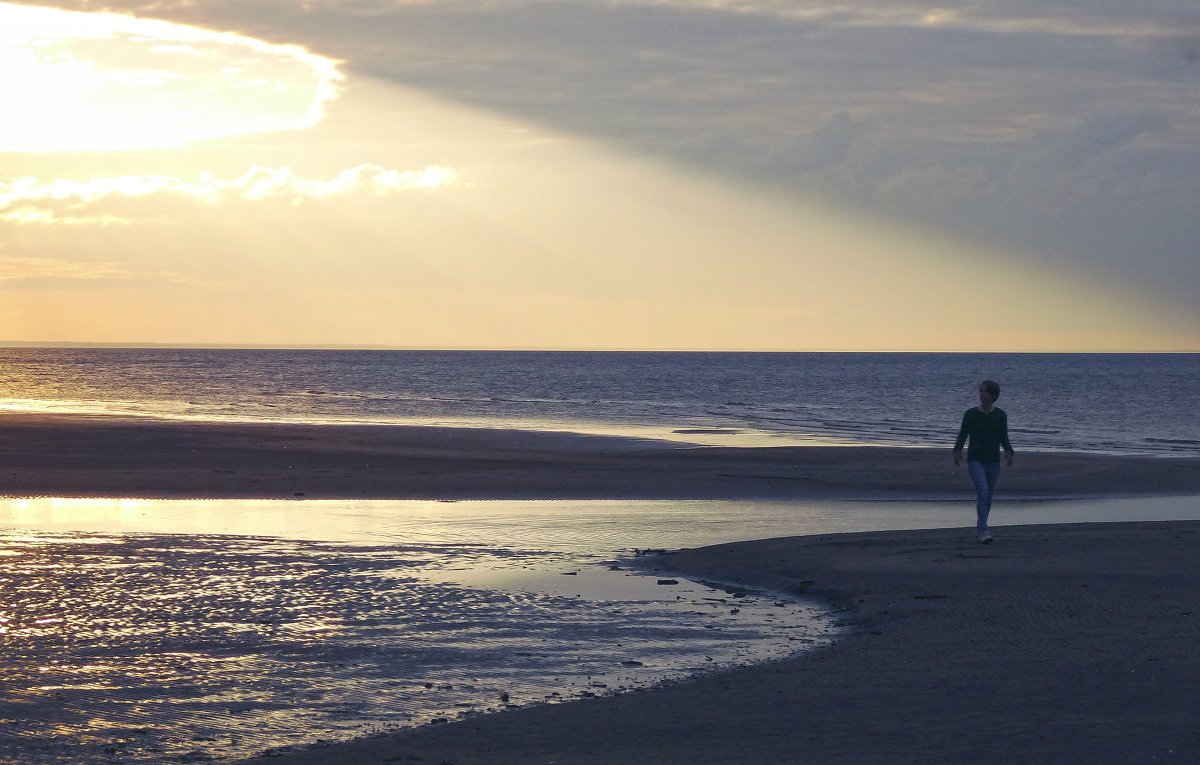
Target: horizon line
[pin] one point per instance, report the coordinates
(127, 345)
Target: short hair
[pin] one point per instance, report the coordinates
(993, 388)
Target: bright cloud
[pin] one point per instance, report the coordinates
(30, 200)
(102, 81)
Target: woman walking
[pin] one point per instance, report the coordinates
(986, 426)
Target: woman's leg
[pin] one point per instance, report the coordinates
(983, 475)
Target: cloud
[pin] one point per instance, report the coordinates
(29, 200)
(1064, 130)
(120, 82)
(1103, 131)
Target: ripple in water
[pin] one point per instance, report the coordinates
(166, 647)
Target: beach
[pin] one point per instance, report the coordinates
(1063, 644)
(1067, 643)
(99, 456)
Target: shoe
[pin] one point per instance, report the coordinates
(984, 538)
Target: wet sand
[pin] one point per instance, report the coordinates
(59, 455)
(1056, 644)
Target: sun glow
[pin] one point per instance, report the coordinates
(101, 81)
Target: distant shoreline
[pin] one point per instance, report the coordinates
(107, 456)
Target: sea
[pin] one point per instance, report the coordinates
(146, 630)
(1104, 403)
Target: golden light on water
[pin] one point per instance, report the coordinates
(102, 81)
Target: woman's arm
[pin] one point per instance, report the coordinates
(1004, 442)
(963, 429)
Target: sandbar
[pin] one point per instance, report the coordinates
(102, 456)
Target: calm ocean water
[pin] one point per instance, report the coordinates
(1113, 403)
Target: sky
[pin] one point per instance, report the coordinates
(659, 174)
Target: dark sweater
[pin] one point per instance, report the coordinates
(988, 431)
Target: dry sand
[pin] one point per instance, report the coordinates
(1057, 644)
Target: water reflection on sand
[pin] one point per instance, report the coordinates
(137, 644)
(150, 630)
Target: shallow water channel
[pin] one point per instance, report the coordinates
(152, 630)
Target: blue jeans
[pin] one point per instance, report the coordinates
(983, 475)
